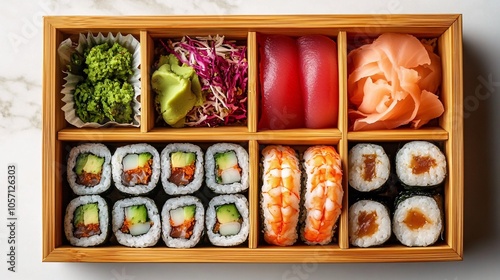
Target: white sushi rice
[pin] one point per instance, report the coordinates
(103, 221)
(210, 179)
(242, 205)
(404, 168)
(145, 240)
(175, 203)
(171, 188)
(357, 167)
(117, 168)
(383, 220)
(98, 150)
(429, 233)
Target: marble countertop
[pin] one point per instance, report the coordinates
(21, 62)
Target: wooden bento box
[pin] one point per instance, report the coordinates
(58, 135)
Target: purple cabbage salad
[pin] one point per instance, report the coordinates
(222, 68)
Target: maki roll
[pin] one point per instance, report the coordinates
(89, 169)
(322, 195)
(182, 168)
(227, 220)
(420, 164)
(417, 220)
(280, 195)
(369, 167)
(136, 222)
(369, 223)
(226, 167)
(136, 169)
(86, 221)
(183, 221)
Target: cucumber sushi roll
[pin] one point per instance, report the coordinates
(86, 221)
(136, 222)
(369, 223)
(182, 168)
(183, 220)
(89, 169)
(369, 167)
(417, 220)
(226, 167)
(227, 220)
(420, 164)
(136, 169)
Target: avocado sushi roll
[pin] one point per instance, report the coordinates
(227, 220)
(136, 222)
(420, 164)
(418, 219)
(183, 220)
(369, 167)
(182, 168)
(89, 169)
(369, 223)
(226, 167)
(136, 169)
(86, 221)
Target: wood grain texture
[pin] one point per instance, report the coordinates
(267, 254)
(254, 193)
(343, 224)
(252, 81)
(432, 133)
(147, 108)
(57, 133)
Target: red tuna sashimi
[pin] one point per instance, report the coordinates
(281, 94)
(320, 83)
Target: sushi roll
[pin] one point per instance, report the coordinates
(86, 221)
(136, 169)
(182, 168)
(227, 220)
(417, 220)
(369, 223)
(89, 169)
(369, 167)
(420, 164)
(136, 222)
(182, 221)
(226, 168)
(280, 195)
(322, 195)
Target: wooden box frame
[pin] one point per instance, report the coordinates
(448, 30)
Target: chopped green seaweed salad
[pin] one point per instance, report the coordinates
(104, 94)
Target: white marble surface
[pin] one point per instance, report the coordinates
(20, 139)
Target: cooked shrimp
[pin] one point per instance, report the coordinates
(323, 197)
(280, 195)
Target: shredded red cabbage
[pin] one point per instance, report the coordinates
(222, 68)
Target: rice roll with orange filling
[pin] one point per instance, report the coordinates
(86, 221)
(136, 169)
(226, 168)
(369, 223)
(89, 169)
(182, 168)
(227, 220)
(420, 164)
(369, 167)
(136, 222)
(183, 221)
(418, 219)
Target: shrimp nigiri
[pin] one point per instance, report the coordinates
(323, 194)
(280, 195)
